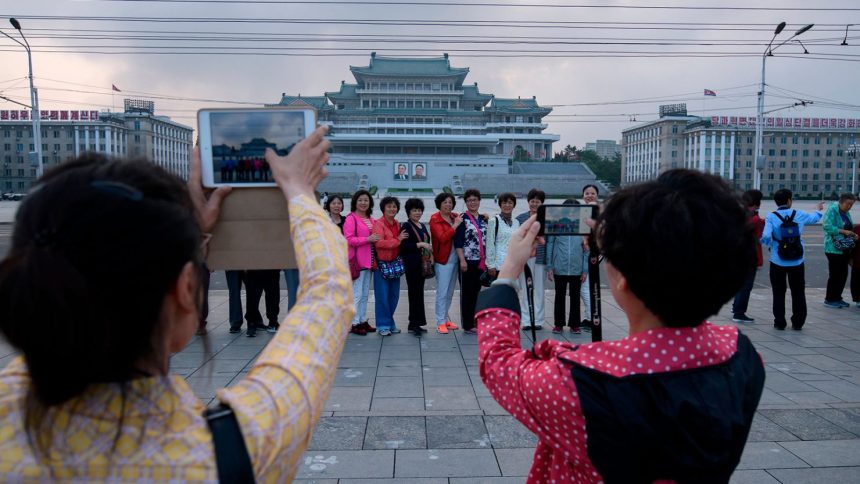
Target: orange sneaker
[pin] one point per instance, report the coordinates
(450, 325)
(442, 329)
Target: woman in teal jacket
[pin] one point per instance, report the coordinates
(839, 241)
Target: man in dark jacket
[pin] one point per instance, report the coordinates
(675, 399)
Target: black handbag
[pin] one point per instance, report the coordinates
(231, 455)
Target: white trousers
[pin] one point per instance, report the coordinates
(539, 275)
(446, 279)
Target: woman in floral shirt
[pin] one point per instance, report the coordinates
(469, 243)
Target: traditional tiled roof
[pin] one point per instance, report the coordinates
(404, 66)
(471, 93)
(517, 105)
(317, 102)
(347, 91)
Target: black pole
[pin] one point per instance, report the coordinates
(594, 286)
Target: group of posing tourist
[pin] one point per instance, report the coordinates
(468, 247)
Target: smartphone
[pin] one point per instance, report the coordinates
(558, 220)
(233, 142)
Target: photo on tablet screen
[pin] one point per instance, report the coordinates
(240, 139)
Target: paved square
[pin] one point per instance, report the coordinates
(405, 409)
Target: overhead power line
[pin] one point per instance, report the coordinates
(501, 4)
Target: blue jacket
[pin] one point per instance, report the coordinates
(565, 257)
(772, 223)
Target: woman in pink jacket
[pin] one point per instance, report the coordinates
(358, 229)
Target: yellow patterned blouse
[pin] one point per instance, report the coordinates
(164, 435)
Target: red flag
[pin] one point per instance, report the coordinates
(709, 92)
(113, 86)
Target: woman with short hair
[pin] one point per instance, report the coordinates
(469, 243)
(443, 227)
(386, 280)
(839, 245)
(415, 249)
(334, 207)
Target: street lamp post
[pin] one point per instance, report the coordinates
(35, 114)
(759, 142)
(853, 153)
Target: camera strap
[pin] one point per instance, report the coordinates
(530, 297)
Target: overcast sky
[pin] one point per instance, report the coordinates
(573, 79)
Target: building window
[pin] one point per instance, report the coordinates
(793, 153)
(781, 152)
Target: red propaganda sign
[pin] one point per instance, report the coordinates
(733, 120)
(778, 122)
(825, 123)
(64, 115)
(4, 115)
(13, 115)
(806, 122)
(851, 123)
(73, 115)
(743, 120)
(715, 120)
(816, 123)
(55, 116)
(724, 120)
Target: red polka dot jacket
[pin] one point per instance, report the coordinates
(666, 405)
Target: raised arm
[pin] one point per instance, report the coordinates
(279, 402)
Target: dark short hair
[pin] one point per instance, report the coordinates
(85, 228)
(353, 204)
(440, 199)
(752, 198)
(507, 197)
(414, 203)
(535, 193)
(401, 164)
(590, 185)
(327, 206)
(472, 192)
(782, 196)
(847, 196)
(419, 164)
(387, 200)
(689, 224)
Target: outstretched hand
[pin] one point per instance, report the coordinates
(301, 171)
(207, 202)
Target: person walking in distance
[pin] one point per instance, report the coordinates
(752, 202)
(443, 226)
(839, 244)
(783, 231)
(537, 264)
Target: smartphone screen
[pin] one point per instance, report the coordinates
(236, 143)
(557, 220)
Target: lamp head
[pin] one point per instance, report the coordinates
(779, 28)
(804, 29)
(15, 23)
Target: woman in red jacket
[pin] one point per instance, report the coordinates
(752, 201)
(443, 226)
(386, 284)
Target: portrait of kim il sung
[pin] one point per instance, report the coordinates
(401, 171)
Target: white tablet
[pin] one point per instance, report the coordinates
(233, 142)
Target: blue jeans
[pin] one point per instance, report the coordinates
(291, 277)
(234, 288)
(742, 298)
(387, 295)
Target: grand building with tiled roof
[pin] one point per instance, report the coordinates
(413, 123)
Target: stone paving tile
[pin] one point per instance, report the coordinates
(841, 354)
(457, 432)
(398, 386)
(810, 398)
(221, 366)
(825, 363)
(395, 433)
(828, 453)
(770, 397)
(485, 480)
(346, 464)
(507, 432)
(349, 398)
(780, 382)
(446, 463)
(491, 407)
(845, 391)
(443, 359)
(835, 475)
(411, 480)
(752, 477)
(446, 377)
(399, 353)
(355, 377)
(358, 360)
(359, 344)
(806, 425)
(786, 348)
(846, 418)
(397, 404)
(389, 368)
(801, 371)
(515, 462)
(450, 398)
(339, 433)
(768, 455)
(765, 430)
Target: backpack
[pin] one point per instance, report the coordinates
(788, 243)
